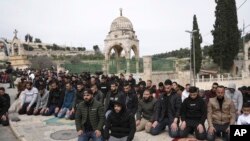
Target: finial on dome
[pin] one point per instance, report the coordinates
(120, 11)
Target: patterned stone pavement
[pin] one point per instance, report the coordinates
(40, 128)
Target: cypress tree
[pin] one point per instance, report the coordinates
(197, 43)
(226, 34)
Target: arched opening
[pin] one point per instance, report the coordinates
(3, 47)
(115, 57)
(15, 48)
(237, 70)
(249, 68)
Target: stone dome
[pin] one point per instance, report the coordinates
(121, 23)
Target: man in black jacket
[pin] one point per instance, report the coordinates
(9, 71)
(167, 112)
(193, 115)
(77, 99)
(4, 107)
(55, 101)
(113, 95)
(131, 99)
(120, 123)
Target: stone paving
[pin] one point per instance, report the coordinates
(6, 133)
(38, 128)
(42, 128)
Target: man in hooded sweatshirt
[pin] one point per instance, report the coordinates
(236, 96)
(120, 125)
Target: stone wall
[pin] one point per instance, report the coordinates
(238, 81)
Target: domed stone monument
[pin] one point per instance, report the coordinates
(121, 37)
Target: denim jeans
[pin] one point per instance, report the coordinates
(89, 135)
(62, 113)
(51, 111)
(220, 132)
(161, 126)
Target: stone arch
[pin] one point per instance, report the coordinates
(135, 49)
(4, 47)
(237, 70)
(16, 47)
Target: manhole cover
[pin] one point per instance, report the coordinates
(64, 134)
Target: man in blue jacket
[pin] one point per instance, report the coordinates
(67, 102)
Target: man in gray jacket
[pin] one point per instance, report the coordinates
(42, 100)
(236, 96)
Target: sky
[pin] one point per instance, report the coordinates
(159, 24)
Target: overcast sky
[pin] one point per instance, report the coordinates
(159, 24)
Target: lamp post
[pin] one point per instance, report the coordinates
(194, 73)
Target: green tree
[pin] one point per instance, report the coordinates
(37, 40)
(226, 34)
(75, 59)
(41, 62)
(197, 40)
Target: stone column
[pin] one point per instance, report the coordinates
(137, 65)
(147, 65)
(117, 60)
(128, 65)
(106, 67)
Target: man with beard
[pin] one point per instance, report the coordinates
(193, 115)
(78, 98)
(29, 98)
(151, 87)
(112, 95)
(120, 125)
(131, 100)
(89, 118)
(167, 112)
(42, 100)
(221, 114)
(67, 101)
(98, 95)
(211, 93)
(55, 100)
(4, 107)
(160, 90)
(146, 107)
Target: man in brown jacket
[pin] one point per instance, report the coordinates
(221, 114)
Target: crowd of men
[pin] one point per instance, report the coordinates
(114, 108)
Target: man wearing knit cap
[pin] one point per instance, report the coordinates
(236, 96)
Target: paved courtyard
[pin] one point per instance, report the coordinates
(42, 128)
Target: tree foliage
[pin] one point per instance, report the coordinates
(28, 47)
(28, 38)
(226, 34)
(40, 62)
(37, 40)
(180, 53)
(96, 49)
(75, 59)
(196, 42)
